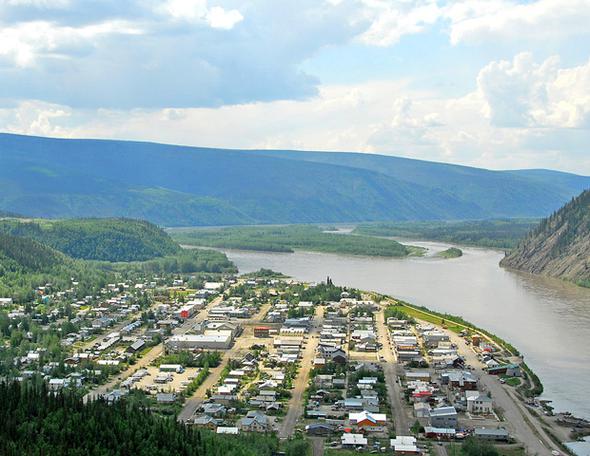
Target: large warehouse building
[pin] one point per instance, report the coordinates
(220, 340)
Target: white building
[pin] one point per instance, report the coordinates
(219, 341)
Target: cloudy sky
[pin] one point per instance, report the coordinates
(492, 83)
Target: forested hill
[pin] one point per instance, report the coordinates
(96, 239)
(19, 254)
(187, 186)
(559, 246)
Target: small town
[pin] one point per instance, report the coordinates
(344, 370)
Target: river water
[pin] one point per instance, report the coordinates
(546, 319)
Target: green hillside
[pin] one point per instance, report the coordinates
(559, 246)
(190, 186)
(27, 255)
(97, 239)
(26, 264)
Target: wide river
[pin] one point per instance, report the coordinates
(547, 320)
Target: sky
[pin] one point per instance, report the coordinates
(501, 84)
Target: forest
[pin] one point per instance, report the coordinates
(37, 422)
(498, 234)
(290, 238)
(96, 239)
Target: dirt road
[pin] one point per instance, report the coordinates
(391, 369)
(240, 347)
(525, 427)
(295, 407)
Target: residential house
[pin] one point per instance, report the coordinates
(255, 421)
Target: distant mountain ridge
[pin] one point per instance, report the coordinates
(184, 186)
(560, 246)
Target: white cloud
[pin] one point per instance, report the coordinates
(523, 93)
(27, 42)
(476, 21)
(36, 118)
(219, 18)
(541, 20)
(392, 20)
(36, 3)
(199, 11)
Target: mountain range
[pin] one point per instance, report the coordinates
(183, 186)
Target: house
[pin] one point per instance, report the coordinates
(463, 380)
(443, 417)
(353, 403)
(56, 384)
(254, 421)
(366, 419)
(479, 404)
(334, 354)
(423, 376)
(496, 435)
(227, 430)
(439, 433)
(262, 331)
(171, 368)
(353, 440)
(511, 370)
(422, 409)
(404, 445)
(213, 409)
(136, 346)
(205, 421)
(166, 398)
(319, 429)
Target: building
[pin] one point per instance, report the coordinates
(171, 368)
(353, 440)
(262, 331)
(227, 430)
(443, 417)
(479, 404)
(463, 380)
(5, 301)
(496, 435)
(319, 429)
(136, 346)
(205, 421)
(404, 445)
(219, 341)
(187, 311)
(439, 433)
(510, 370)
(254, 421)
(166, 398)
(366, 419)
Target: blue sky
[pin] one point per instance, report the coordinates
(492, 83)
